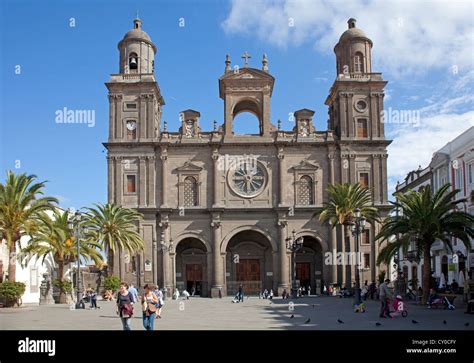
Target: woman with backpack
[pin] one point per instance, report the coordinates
(125, 305)
(150, 306)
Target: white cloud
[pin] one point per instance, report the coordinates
(408, 36)
(449, 113)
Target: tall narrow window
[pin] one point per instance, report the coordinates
(190, 192)
(362, 128)
(358, 63)
(364, 180)
(366, 260)
(305, 191)
(365, 237)
(131, 185)
(470, 175)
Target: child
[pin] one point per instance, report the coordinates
(397, 307)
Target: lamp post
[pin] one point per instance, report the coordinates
(358, 226)
(294, 245)
(165, 248)
(74, 224)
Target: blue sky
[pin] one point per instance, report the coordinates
(424, 50)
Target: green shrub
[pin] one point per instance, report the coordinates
(65, 286)
(12, 291)
(112, 283)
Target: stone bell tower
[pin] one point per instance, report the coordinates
(246, 90)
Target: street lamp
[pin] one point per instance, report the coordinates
(358, 226)
(165, 248)
(294, 245)
(74, 224)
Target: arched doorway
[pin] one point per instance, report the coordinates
(249, 261)
(309, 265)
(192, 267)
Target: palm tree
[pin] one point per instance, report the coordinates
(425, 218)
(21, 203)
(55, 238)
(115, 227)
(344, 199)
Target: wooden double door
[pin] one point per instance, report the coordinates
(194, 278)
(303, 273)
(248, 273)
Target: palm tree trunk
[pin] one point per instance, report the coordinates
(426, 273)
(110, 262)
(12, 262)
(62, 294)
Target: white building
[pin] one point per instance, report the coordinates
(454, 164)
(31, 274)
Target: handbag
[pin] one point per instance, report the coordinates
(151, 307)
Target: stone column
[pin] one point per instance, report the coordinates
(142, 117)
(118, 180)
(375, 116)
(352, 168)
(350, 120)
(142, 181)
(112, 120)
(281, 175)
(343, 115)
(216, 177)
(165, 249)
(218, 266)
(332, 232)
(384, 178)
(376, 177)
(284, 282)
(164, 172)
(380, 109)
(151, 175)
(110, 179)
(150, 113)
(118, 119)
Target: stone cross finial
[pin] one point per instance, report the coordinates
(265, 63)
(227, 63)
(246, 56)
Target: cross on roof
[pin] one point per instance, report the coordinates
(246, 56)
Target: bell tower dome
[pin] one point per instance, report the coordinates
(353, 51)
(137, 51)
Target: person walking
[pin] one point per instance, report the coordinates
(159, 295)
(241, 293)
(372, 290)
(125, 305)
(150, 307)
(134, 292)
(93, 299)
(384, 296)
(271, 294)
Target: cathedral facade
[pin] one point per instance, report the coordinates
(221, 209)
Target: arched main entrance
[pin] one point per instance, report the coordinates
(192, 266)
(309, 265)
(249, 261)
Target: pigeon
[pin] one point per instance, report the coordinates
(414, 322)
(307, 321)
(445, 322)
(292, 316)
(313, 306)
(467, 324)
(340, 321)
(378, 324)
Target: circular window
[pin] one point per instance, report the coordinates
(247, 179)
(361, 105)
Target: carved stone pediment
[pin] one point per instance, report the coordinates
(306, 165)
(188, 166)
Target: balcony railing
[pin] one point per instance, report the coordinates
(360, 77)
